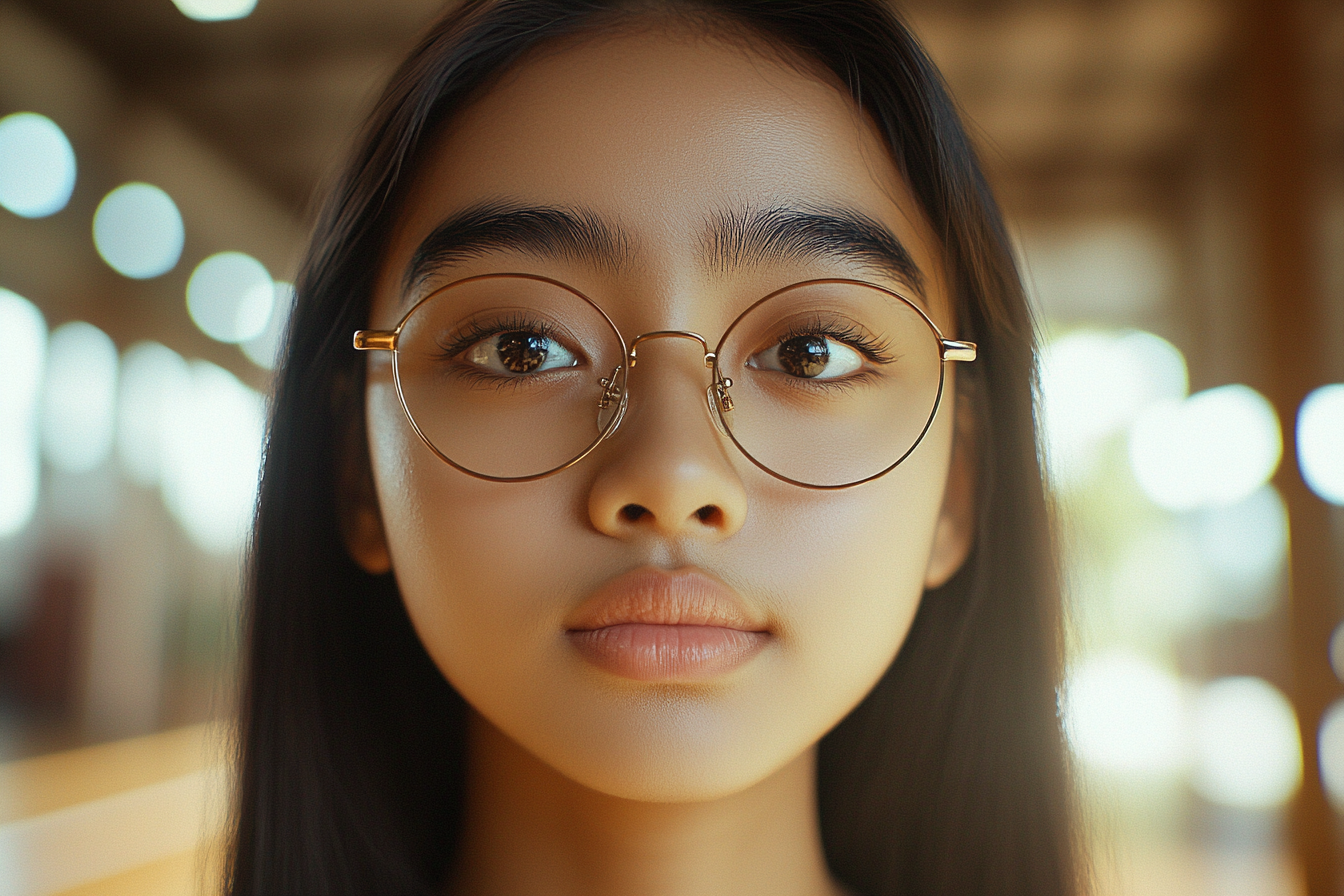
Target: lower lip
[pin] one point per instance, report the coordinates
(645, 652)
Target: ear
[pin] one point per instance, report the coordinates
(357, 503)
(955, 533)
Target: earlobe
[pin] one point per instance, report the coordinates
(955, 532)
(357, 503)
(362, 530)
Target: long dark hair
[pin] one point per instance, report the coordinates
(949, 778)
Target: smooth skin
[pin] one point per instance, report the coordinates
(582, 782)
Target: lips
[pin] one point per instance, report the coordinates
(656, 625)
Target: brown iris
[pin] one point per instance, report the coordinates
(521, 352)
(804, 356)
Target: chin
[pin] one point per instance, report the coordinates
(669, 744)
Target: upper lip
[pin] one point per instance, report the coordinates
(686, 596)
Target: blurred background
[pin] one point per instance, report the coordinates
(1173, 176)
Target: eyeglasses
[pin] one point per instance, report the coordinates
(825, 384)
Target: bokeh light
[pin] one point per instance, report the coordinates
(1320, 442)
(264, 350)
(137, 229)
(21, 364)
(154, 384)
(1331, 745)
(1248, 751)
(230, 297)
(215, 10)
(1214, 448)
(37, 165)
(1244, 546)
(212, 458)
(1158, 579)
(1094, 383)
(79, 397)
(1125, 714)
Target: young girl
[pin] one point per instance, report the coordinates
(674, 523)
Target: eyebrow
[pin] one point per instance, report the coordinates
(783, 232)
(734, 239)
(548, 231)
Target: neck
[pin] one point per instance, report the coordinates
(530, 830)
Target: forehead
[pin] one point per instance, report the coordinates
(658, 130)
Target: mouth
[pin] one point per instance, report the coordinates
(666, 626)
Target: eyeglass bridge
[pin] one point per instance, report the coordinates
(718, 390)
(669, 334)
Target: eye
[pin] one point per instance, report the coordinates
(809, 356)
(519, 352)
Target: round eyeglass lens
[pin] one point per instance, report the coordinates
(833, 382)
(503, 375)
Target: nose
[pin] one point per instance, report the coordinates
(667, 472)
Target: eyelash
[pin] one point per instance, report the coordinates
(874, 350)
(477, 331)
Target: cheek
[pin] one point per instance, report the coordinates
(847, 569)
(473, 559)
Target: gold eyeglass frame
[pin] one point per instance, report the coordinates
(717, 396)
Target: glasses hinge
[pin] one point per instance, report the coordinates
(375, 340)
(958, 351)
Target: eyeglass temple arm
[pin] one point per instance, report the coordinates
(375, 340)
(952, 350)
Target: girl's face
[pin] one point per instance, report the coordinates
(549, 604)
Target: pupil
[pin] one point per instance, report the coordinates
(804, 356)
(521, 352)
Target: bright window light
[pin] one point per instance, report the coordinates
(1212, 449)
(154, 384)
(37, 165)
(215, 10)
(1094, 384)
(212, 458)
(264, 350)
(1320, 442)
(79, 397)
(1126, 714)
(1248, 752)
(138, 231)
(1331, 745)
(21, 365)
(230, 296)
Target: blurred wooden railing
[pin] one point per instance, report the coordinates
(139, 816)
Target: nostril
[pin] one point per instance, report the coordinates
(709, 514)
(633, 513)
